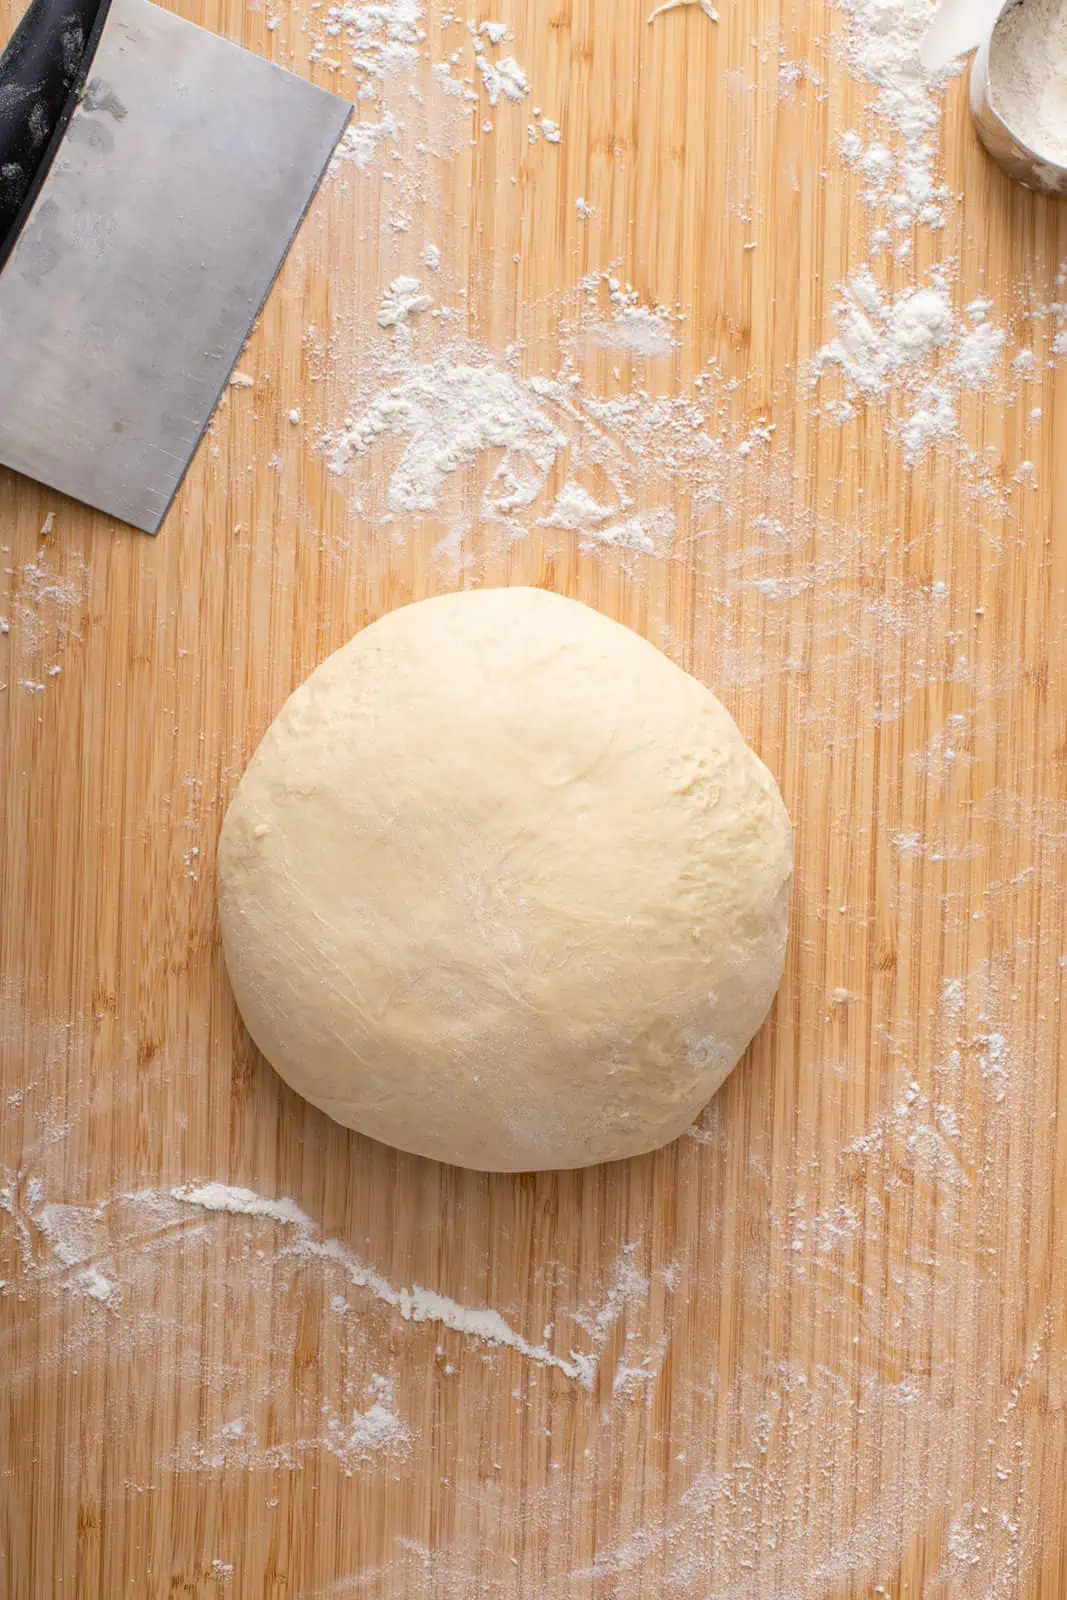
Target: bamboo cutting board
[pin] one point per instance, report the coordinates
(827, 1331)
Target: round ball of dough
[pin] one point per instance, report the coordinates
(505, 887)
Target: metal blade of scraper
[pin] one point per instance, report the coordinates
(145, 254)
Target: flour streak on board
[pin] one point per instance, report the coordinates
(413, 1305)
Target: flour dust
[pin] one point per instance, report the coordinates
(42, 614)
(855, 1241)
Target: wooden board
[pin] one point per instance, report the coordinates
(829, 1329)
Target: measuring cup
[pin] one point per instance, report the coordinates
(1026, 165)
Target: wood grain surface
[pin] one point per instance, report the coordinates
(829, 1329)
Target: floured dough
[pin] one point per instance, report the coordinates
(505, 887)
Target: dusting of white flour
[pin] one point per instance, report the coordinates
(360, 143)
(414, 1305)
(597, 432)
(898, 157)
(449, 413)
(403, 299)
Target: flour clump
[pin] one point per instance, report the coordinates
(505, 887)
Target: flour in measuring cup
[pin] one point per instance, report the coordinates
(1028, 75)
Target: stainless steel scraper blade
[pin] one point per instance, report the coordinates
(143, 258)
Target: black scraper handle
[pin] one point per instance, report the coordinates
(41, 75)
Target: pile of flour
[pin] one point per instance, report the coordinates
(1028, 74)
(898, 152)
(914, 345)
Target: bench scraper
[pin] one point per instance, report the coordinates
(152, 178)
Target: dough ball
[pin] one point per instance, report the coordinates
(505, 887)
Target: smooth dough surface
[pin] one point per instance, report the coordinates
(505, 887)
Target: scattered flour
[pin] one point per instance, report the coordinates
(381, 38)
(466, 409)
(373, 1432)
(354, 1437)
(244, 1203)
(375, 1427)
(403, 299)
(979, 348)
(912, 346)
(454, 88)
(93, 1283)
(761, 432)
(505, 79)
(70, 1230)
(825, 1251)
(883, 50)
(577, 511)
(994, 1062)
(48, 601)
(71, 1235)
(361, 141)
(883, 39)
(376, 41)
(879, 335)
(953, 998)
(913, 1132)
(449, 413)
(634, 326)
(648, 534)
(933, 420)
(414, 1305)
(630, 1287)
